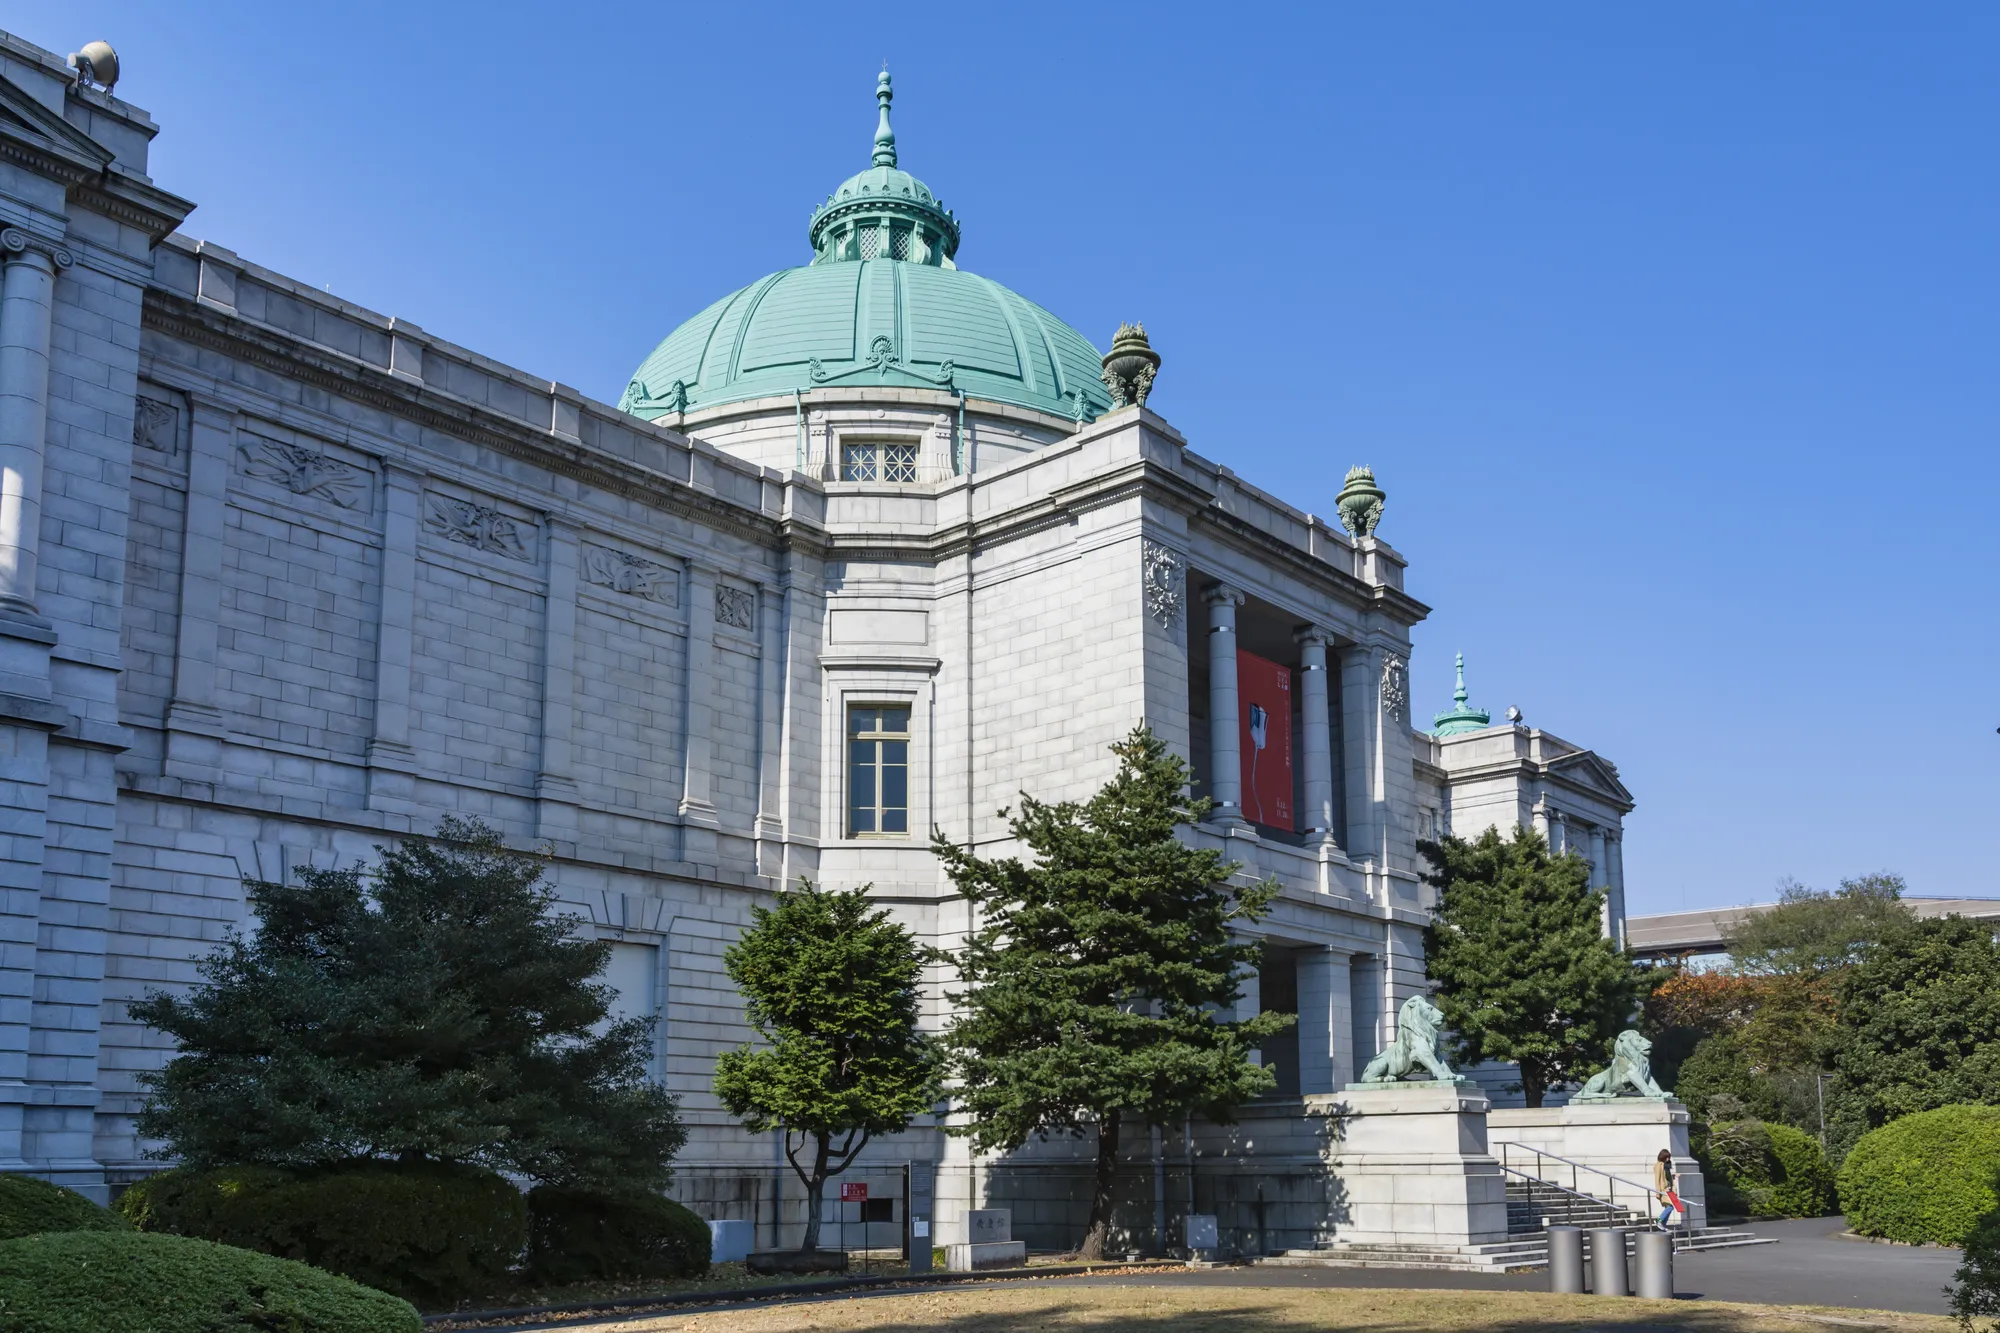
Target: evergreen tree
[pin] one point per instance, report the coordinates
(1095, 972)
(437, 1009)
(1919, 1023)
(833, 991)
(1518, 952)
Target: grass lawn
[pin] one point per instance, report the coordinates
(721, 1277)
(1025, 1306)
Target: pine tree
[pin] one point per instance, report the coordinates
(1095, 972)
(1517, 950)
(833, 992)
(438, 1009)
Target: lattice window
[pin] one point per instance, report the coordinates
(859, 462)
(871, 241)
(899, 243)
(899, 462)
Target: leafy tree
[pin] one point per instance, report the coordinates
(1518, 952)
(833, 991)
(1095, 973)
(1798, 950)
(1920, 1023)
(1683, 1008)
(436, 1009)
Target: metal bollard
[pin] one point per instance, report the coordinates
(1566, 1259)
(1654, 1251)
(1607, 1262)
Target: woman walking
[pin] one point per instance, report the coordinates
(1663, 1185)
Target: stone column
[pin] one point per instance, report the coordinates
(27, 307)
(392, 763)
(1326, 1022)
(1225, 776)
(195, 729)
(1249, 1003)
(1361, 733)
(1614, 855)
(770, 730)
(555, 785)
(697, 808)
(1312, 642)
(1539, 817)
(1364, 990)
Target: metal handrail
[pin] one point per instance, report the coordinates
(1533, 1180)
(1645, 1192)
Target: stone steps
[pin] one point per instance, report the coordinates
(1517, 1254)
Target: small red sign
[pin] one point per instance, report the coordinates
(854, 1193)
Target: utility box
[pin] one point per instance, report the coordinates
(730, 1241)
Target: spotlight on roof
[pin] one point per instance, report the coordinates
(96, 65)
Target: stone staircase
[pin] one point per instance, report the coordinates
(1533, 1205)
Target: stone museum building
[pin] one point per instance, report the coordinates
(865, 548)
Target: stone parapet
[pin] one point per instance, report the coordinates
(1603, 1148)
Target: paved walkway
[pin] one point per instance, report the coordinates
(1810, 1266)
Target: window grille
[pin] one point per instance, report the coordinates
(899, 243)
(899, 462)
(871, 241)
(857, 461)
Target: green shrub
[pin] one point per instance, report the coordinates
(578, 1235)
(1975, 1292)
(1926, 1178)
(1764, 1170)
(29, 1206)
(98, 1281)
(427, 1231)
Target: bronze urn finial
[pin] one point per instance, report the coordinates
(1129, 366)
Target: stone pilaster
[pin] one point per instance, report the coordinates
(195, 730)
(1614, 855)
(1225, 776)
(555, 785)
(27, 310)
(770, 831)
(1361, 729)
(392, 763)
(699, 823)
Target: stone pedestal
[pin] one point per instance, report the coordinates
(1621, 1138)
(1409, 1166)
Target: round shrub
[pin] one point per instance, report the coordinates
(1926, 1178)
(29, 1206)
(430, 1232)
(578, 1235)
(1765, 1170)
(93, 1281)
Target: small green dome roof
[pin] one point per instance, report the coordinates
(881, 304)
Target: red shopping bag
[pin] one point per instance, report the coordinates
(1675, 1199)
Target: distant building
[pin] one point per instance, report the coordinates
(866, 548)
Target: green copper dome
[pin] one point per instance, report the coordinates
(881, 304)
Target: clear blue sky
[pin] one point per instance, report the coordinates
(1672, 332)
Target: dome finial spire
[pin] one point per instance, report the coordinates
(1462, 717)
(885, 138)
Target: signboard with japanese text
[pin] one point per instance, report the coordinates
(1264, 694)
(854, 1191)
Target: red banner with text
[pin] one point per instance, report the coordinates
(1264, 692)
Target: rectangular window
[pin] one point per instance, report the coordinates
(878, 771)
(874, 460)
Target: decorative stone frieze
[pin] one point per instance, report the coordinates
(1166, 586)
(735, 607)
(156, 424)
(1395, 688)
(303, 471)
(481, 527)
(631, 575)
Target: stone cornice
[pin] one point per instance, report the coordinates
(204, 326)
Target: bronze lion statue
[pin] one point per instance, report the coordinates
(1418, 1025)
(1630, 1074)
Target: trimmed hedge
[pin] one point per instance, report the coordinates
(29, 1206)
(430, 1232)
(1765, 1170)
(96, 1281)
(579, 1235)
(1926, 1178)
